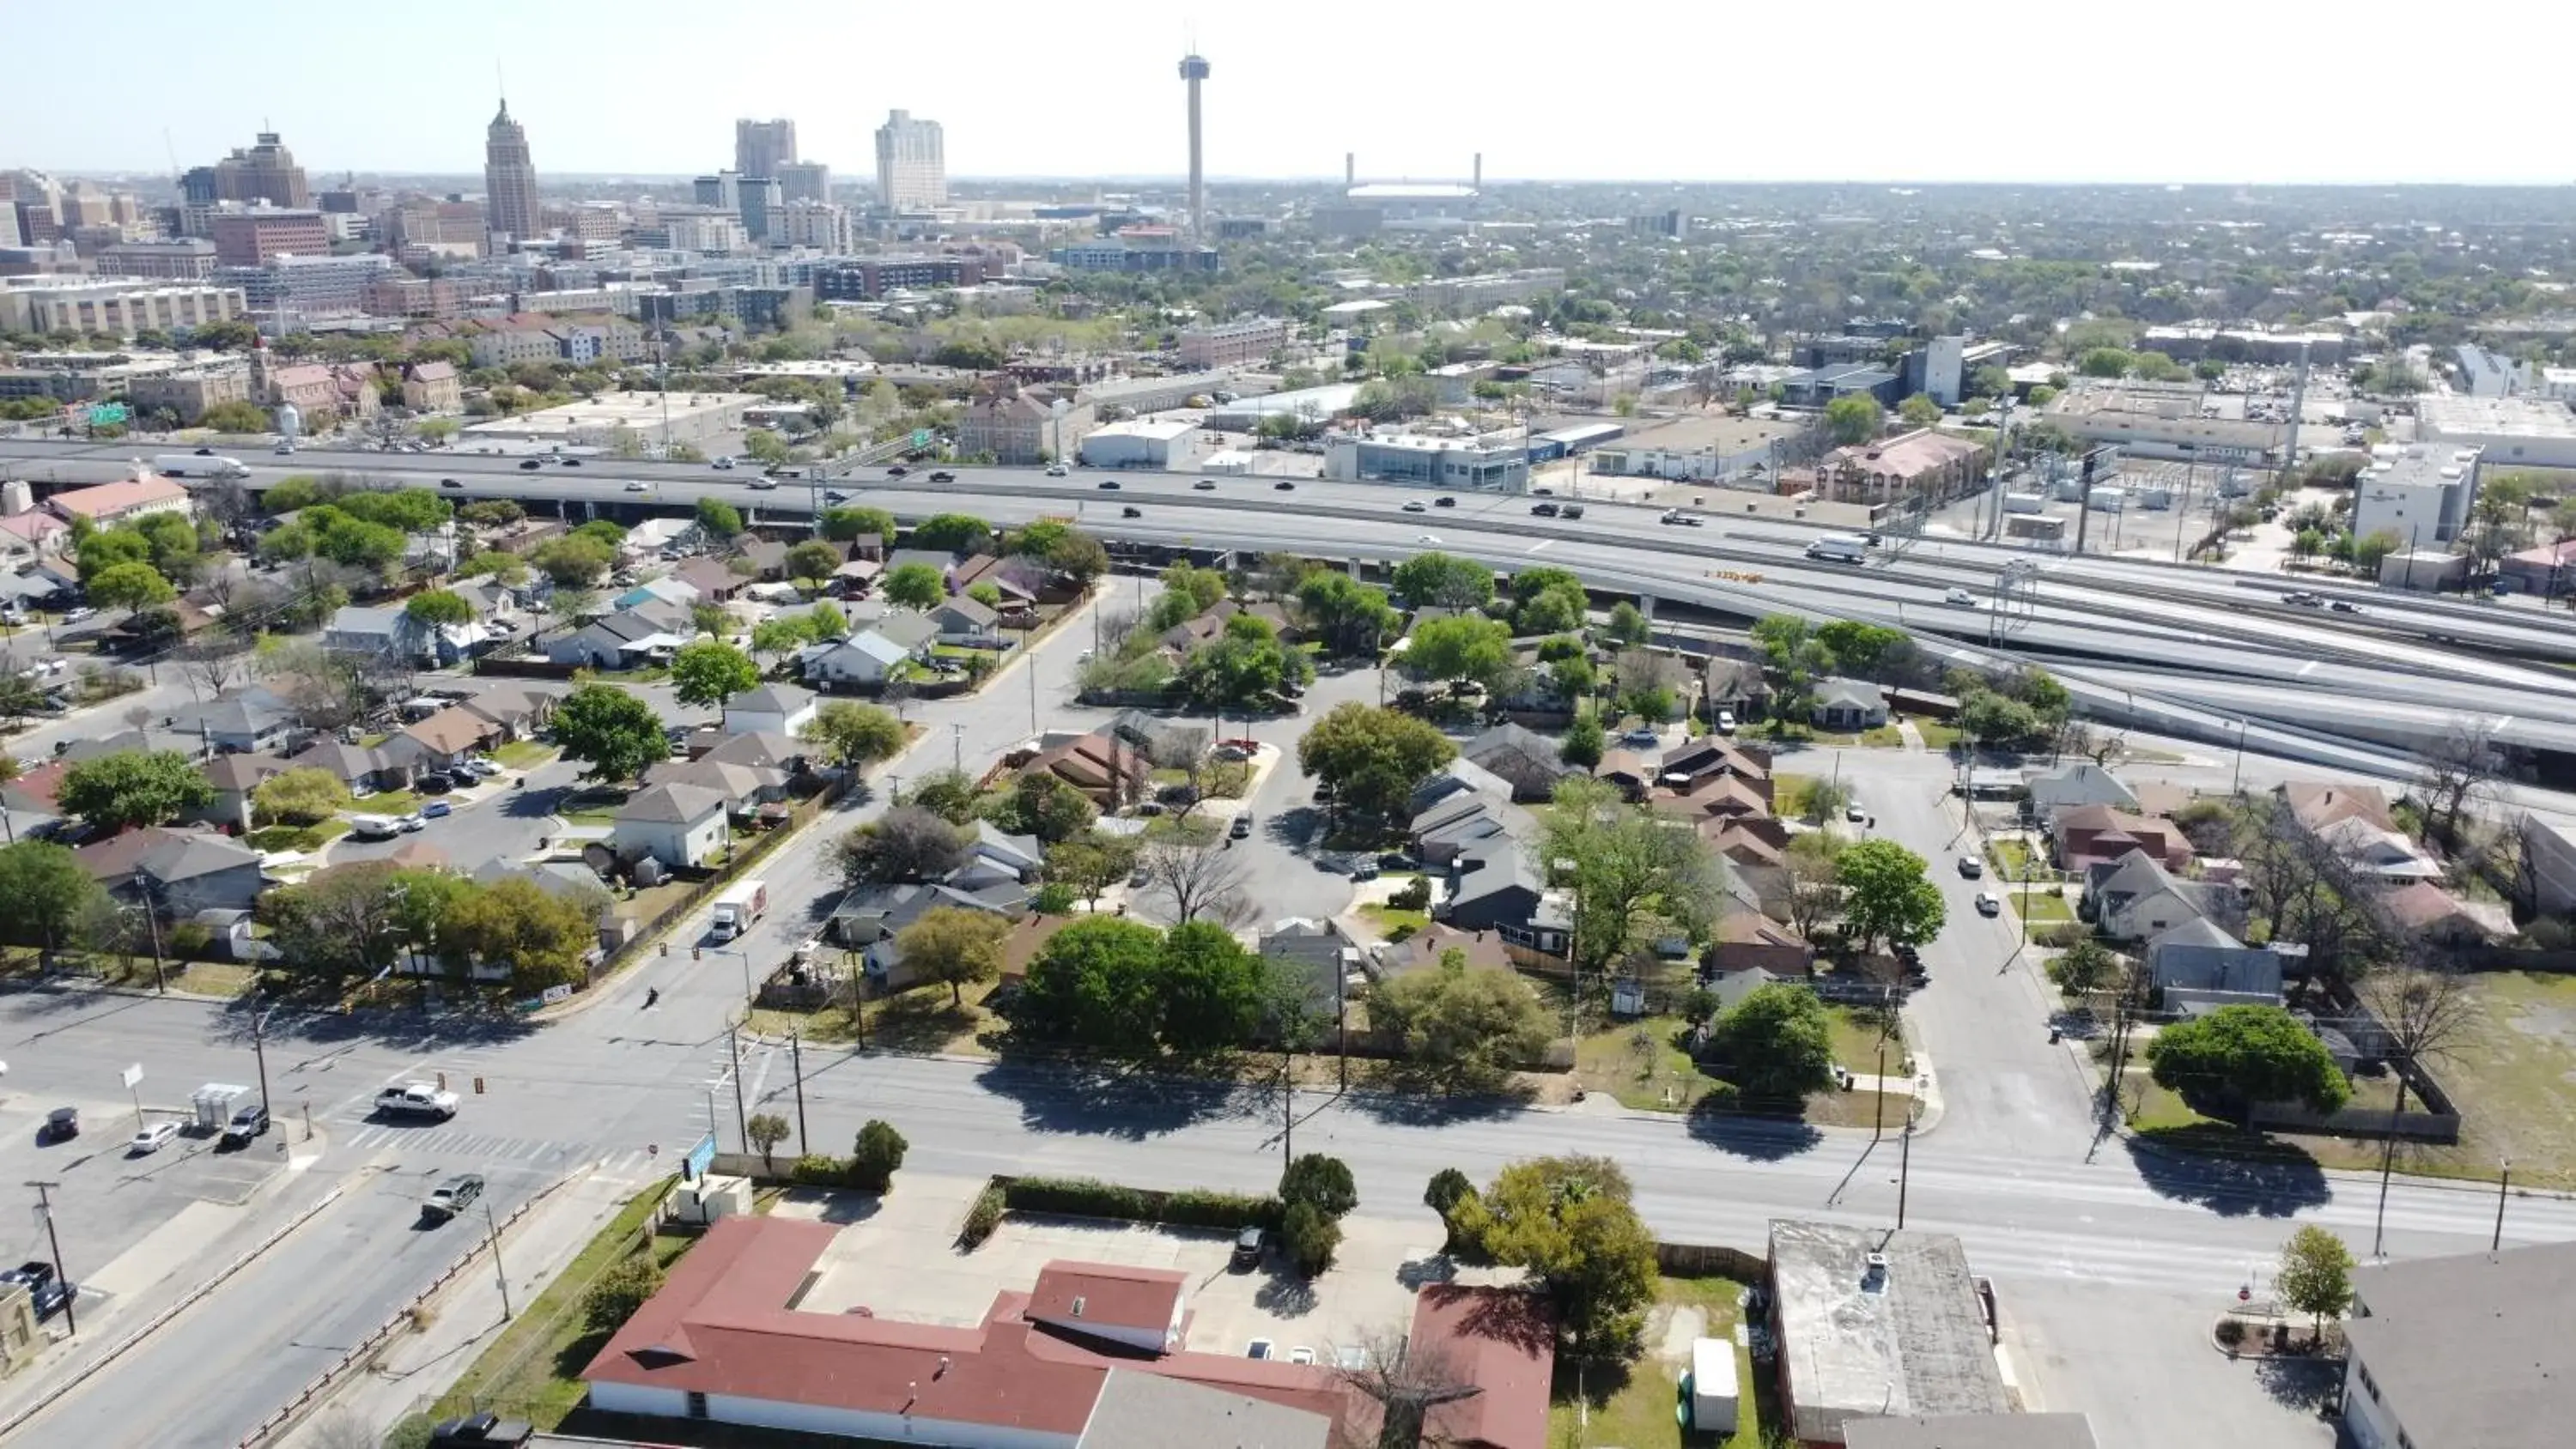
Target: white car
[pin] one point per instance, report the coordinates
(1960, 597)
(1055, 470)
(1301, 1354)
(152, 1138)
(723, 463)
(638, 485)
(1432, 539)
(1989, 904)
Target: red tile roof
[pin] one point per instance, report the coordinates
(1111, 1297)
(1499, 1339)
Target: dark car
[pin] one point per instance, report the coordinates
(1283, 486)
(1571, 510)
(1248, 1246)
(1204, 485)
(1241, 827)
(61, 1125)
(569, 462)
(1542, 510)
(897, 471)
(835, 495)
(1444, 501)
(481, 1431)
(1131, 511)
(205, 452)
(434, 784)
(449, 483)
(1108, 485)
(49, 1292)
(530, 464)
(943, 476)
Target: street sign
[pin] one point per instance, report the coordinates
(108, 413)
(133, 1074)
(921, 437)
(701, 1157)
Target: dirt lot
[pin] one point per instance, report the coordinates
(900, 1260)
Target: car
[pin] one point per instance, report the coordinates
(764, 485)
(1249, 1246)
(75, 615)
(433, 810)
(434, 783)
(638, 485)
(1232, 754)
(1415, 507)
(1241, 827)
(2304, 599)
(1989, 904)
(897, 471)
(284, 447)
(1432, 539)
(1961, 598)
(247, 1123)
(1853, 813)
(1571, 510)
(943, 476)
(529, 465)
(1444, 501)
(1204, 485)
(452, 1197)
(569, 462)
(1109, 485)
(62, 1124)
(48, 1292)
(151, 1139)
(1258, 1348)
(2344, 606)
(722, 465)
(410, 823)
(205, 452)
(1131, 511)
(1301, 1354)
(1055, 470)
(1726, 721)
(1283, 486)
(1543, 510)
(835, 495)
(1971, 867)
(1544, 492)
(449, 483)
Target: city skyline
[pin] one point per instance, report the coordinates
(1670, 94)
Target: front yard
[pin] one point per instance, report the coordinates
(1640, 1405)
(1643, 1065)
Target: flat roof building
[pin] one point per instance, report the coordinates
(2513, 431)
(2420, 493)
(2169, 423)
(1872, 1323)
(2472, 1352)
(1491, 462)
(687, 418)
(1143, 443)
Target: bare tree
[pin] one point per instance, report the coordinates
(2458, 771)
(1199, 879)
(1407, 1381)
(2423, 1011)
(1808, 898)
(1184, 750)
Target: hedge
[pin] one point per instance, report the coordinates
(1084, 1197)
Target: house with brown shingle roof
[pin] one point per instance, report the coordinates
(2086, 835)
(234, 778)
(1101, 766)
(2316, 805)
(444, 738)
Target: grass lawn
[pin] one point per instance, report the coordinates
(2042, 909)
(529, 1370)
(1856, 1039)
(296, 837)
(923, 1020)
(1936, 735)
(524, 754)
(387, 802)
(2009, 857)
(1789, 795)
(593, 807)
(1639, 1063)
(1885, 737)
(1388, 919)
(1633, 1406)
(203, 978)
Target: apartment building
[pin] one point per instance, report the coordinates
(1226, 344)
(250, 238)
(869, 279)
(118, 308)
(816, 224)
(188, 392)
(424, 298)
(912, 164)
(308, 285)
(187, 259)
(1021, 429)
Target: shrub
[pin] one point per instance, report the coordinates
(1413, 895)
(1310, 1236)
(1448, 1188)
(1055, 898)
(984, 1216)
(1080, 1197)
(1196, 1209)
(618, 1293)
(2231, 1331)
(817, 1170)
(879, 1153)
(1322, 1181)
(2061, 935)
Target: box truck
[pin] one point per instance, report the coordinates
(198, 465)
(742, 903)
(1839, 548)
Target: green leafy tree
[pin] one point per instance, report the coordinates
(2104, 362)
(508, 568)
(855, 736)
(1548, 601)
(1092, 985)
(1919, 411)
(2243, 1055)
(1627, 625)
(1444, 580)
(915, 586)
(813, 561)
(907, 843)
(539, 936)
(130, 586)
(1187, 593)
(436, 607)
(1346, 616)
(1570, 1222)
(841, 525)
(877, 1155)
(1323, 1181)
(1372, 757)
(300, 797)
(710, 671)
(2084, 968)
(1583, 743)
(45, 893)
(1473, 1027)
(951, 795)
(1209, 988)
(1093, 863)
(766, 1130)
(619, 1293)
(1887, 894)
(1310, 1236)
(1049, 808)
(954, 945)
(2315, 1276)
(1633, 879)
(719, 518)
(613, 732)
(765, 447)
(953, 533)
(1242, 666)
(1852, 421)
(133, 787)
(234, 417)
(1778, 1043)
(574, 562)
(1462, 647)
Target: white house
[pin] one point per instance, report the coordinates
(864, 658)
(677, 824)
(779, 709)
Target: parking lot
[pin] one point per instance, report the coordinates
(900, 1260)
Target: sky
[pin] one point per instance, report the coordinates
(2143, 91)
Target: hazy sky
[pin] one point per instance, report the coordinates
(2150, 90)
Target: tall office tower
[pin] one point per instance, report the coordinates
(912, 164)
(804, 181)
(722, 189)
(1194, 70)
(761, 147)
(265, 172)
(509, 178)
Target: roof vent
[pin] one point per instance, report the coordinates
(1077, 1305)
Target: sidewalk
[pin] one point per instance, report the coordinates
(417, 1367)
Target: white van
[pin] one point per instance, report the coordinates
(374, 827)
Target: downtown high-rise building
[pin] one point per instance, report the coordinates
(509, 178)
(761, 147)
(912, 164)
(265, 171)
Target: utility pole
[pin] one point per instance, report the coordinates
(45, 1210)
(1904, 1166)
(957, 745)
(492, 1234)
(143, 891)
(741, 1114)
(796, 1056)
(259, 1051)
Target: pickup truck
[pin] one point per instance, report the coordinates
(416, 1099)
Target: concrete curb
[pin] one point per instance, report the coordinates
(162, 1319)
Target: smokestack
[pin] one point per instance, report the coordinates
(1350, 169)
(1479, 181)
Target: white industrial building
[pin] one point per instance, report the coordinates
(2512, 432)
(697, 418)
(1143, 443)
(2419, 494)
(1491, 462)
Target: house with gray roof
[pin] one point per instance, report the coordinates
(627, 639)
(679, 824)
(966, 621)
(1847, 704)
(2079, 783)
(778, 709)
(389, 631)
(181, 871)
(2197, 964)
(1467, 824)
(2473, 1351)
(2135, 898)
(247, 720)
(1317, 957)
(869, 918)
(1524, 757)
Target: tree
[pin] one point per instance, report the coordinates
(2084, 968)
(951, 795)
(718, 518)
(1311, 1237)
(1548, 601)
(765, 447)
(1346, 616)
(1048, 807)
(844, 524)
(1092, 986)
(915, 586)
(436, 607)
(813, 560)
(1627, 624)
(766, 1130)
(2457, 771)
(1460, 647)
(133, 787)
(876, 1155)
(1888, 894)
(1323, 1181)
(1092, 863)
(855, 736)
(906, 843)
(1243, 667)
(1472, 1026)
(234, 417)
(130, 586)
(1854, 420)
(1195, 878)
(575, 562)
(2104, 362)
(1442, 580)
(1583, 743)
(1372, 757)
(514, 922)
(710, 671)
(1919, 411)
(1778, 1043)
(610, 730)
(2243, 1055)
(1569, 1222)
(953, 533)
(2315, 1276)
(955, 945)
(1211, 989)
(1633, 878)
(619, 1293)
(300, 797)
(45, 893)
(1187, 593)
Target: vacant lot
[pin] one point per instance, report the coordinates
(1632, 1406)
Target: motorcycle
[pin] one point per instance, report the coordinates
(652, 995)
